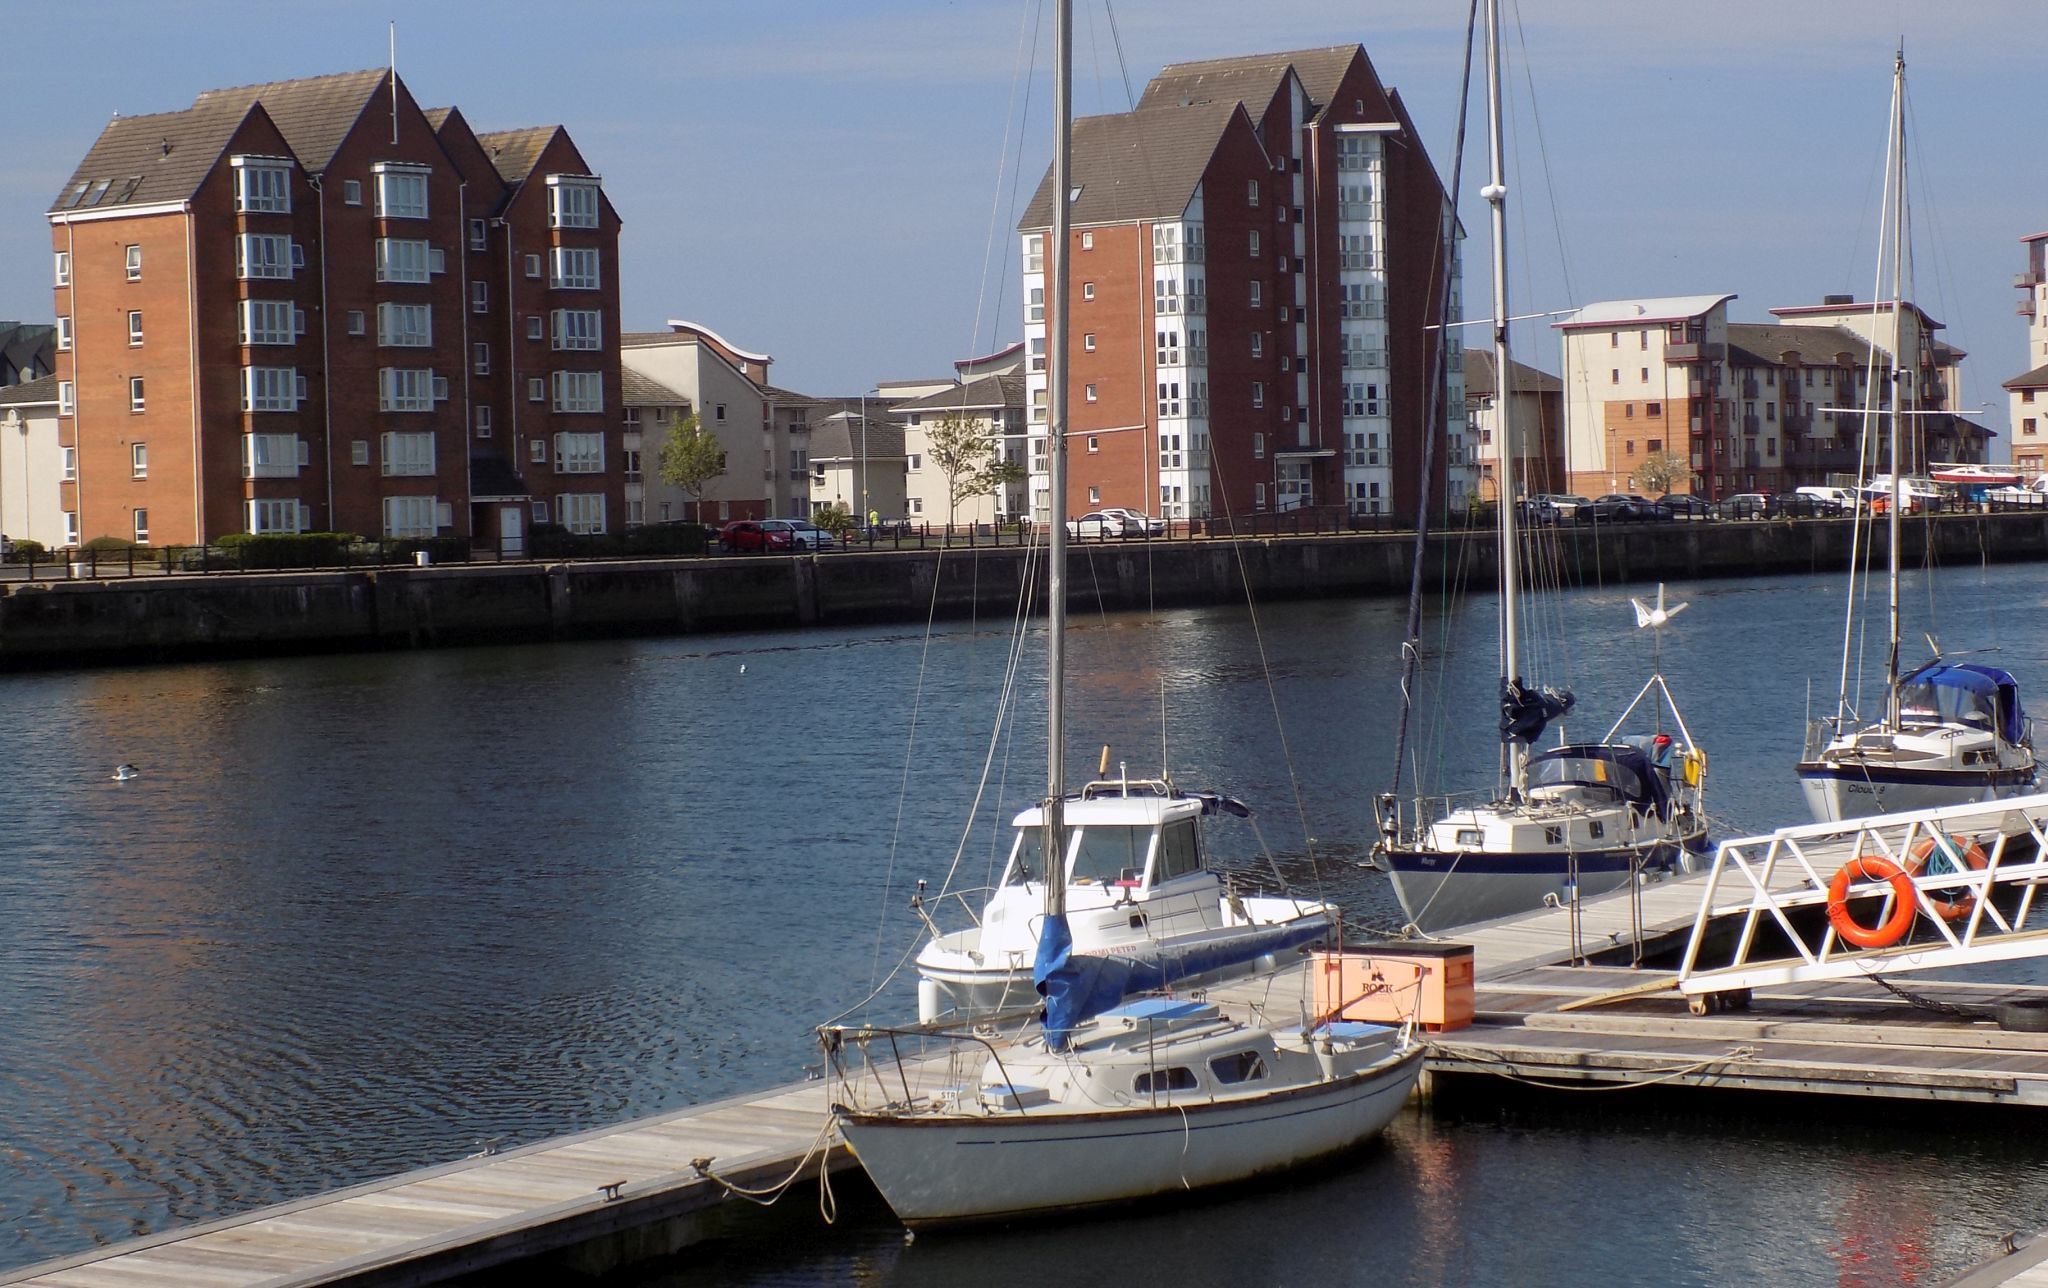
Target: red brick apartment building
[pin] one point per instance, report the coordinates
(1259, 252)
(312, 306)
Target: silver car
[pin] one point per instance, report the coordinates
(1115, 522)
(803, 534)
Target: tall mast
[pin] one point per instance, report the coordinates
(1891, 664)
(1056, 464)
(1496, 194)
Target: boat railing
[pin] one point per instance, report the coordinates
(1956, 886)
(969, 899)
(908, 1074)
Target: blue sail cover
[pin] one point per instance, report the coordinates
(1964, 693)
(1077, 986)
(1525, 711)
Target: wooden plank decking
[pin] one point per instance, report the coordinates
(1845, 1038)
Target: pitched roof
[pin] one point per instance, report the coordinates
(437, 117)
(789, 397)
(1137, 165)
(1251, 78)
(516, 152)
(1006, 390)
(840, 437)
(41, 390)
(1815, 346)
(645, 391)
(1528, 379)
(314, 113)
(2035, 379)
(1666, 308)
(139, 160)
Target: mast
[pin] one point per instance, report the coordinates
(1496, 194)
(1056, 464)
(1891, 663)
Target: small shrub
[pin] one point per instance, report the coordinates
(110, 545)
(286, 549)
(27, 551)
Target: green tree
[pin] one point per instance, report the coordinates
(970, 457)
(690, 458)
(835, 519)
(1659, 471)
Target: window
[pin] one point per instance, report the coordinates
(479, 297)
(1257, 290)
(574, 269)
(63, 334)
(1258, 393)
(63, 277)
(1034, 254)
(1644, 375)
(355, 322)
(273, 516)
(401, 260)
(351, 192)
(134, 328)
(1251, 192)
(408, 452)
(577, 328)
(411, 516)
(135, 393)
(1258, 344)
(268, 322)
(272, 456)
(1087, 241)
(536, 389)
(479, 235)
(272, 388)
(1258, 447)
(1087, 290)
(483, 420)
(142, 527)
(1174, 1078)
(1094, 444)
(537, 451)
(405, 326)
(69, 464)
(1254, 236)
(579, 453)
(480, 358)
(583, 391)
(262, 184)
(1088, 342)
(581, 511)
(536, 327)
(1035, 310)
(913, 462)
(138, 460)
(1243, 1066)
(1614, 376)
(1095, 496)
(533, 267)
(1089, 393)
(540, 511)
(572, 202)
(66, 401)
(405, 389)
(718, 413)
(401, 191)
(256, 255)
(1258, 496)
(135, 263)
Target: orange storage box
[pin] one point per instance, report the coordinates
(1387, 983)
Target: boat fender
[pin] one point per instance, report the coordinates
(1692, 767)
(1972, 854)
(1871, 867)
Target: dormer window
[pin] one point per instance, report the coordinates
(262, 184)
(572, 201)
(401, 190)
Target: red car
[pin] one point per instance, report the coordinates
(753, 534)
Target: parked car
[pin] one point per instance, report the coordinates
(1567, 505)
(1536, 509)
(1684, 505)
(1115, 522)
(1802, 505)
(1841, 498)
(1619, 507)
(803, 534)
(1743, 505)
(753, 534)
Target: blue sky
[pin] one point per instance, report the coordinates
(817, 180)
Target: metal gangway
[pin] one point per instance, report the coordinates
(1953, 886)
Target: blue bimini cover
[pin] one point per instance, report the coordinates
(1982, 697)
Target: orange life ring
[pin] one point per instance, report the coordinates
(1871, 867)
(1973, 855)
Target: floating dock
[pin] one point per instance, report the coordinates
(1556, 1004)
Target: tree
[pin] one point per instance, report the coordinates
(835, 519)
(970, 457)
(690, 458)
(1659, 471)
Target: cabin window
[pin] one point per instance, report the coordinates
(1027, 862)
(1177, 852)
(1470, 836)
(1553, 836)
(1244, 1066)
(1107, 854)
(1177, 1078)
(1596, 829)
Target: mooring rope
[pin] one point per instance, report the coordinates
(828, 1205)
(1735, 1055)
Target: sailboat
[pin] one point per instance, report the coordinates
(1115, 1097)
(1574, 819)
(1951, 732)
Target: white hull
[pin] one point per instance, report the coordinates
(1435, 901)
(944, 1169)
(1836, 799)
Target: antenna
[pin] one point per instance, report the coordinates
(394, 83)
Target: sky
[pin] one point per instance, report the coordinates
(836, 182)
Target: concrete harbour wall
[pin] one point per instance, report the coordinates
(152, 618)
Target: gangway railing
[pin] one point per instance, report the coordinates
(1953, 886)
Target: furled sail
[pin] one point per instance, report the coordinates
(1525, 711)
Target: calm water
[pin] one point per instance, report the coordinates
(360, 914)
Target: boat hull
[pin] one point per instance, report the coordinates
(1439, 889)
(1837, 792)
(957, 1169)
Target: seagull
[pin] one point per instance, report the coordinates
(125, 771)
(743, 668)
(1658, 616)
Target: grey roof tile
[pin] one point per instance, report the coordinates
(43, 389)
(1137, 165)
(314, 113)
(139, 160)
(645, 391)
(515, 152)
(1005, 390)
(1528, 379)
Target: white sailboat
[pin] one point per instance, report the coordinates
(1111, 1100)
(1576, 818)
(1951, 733)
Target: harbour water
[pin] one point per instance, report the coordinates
(361, 914)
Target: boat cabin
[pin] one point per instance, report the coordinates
(1596, 775)
(1120, 836)
(1976, 697)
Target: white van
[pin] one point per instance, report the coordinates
(1841, 498)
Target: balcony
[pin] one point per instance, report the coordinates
(1749, 387)
(2029, 279)
(1750, 425)
(1685, 352)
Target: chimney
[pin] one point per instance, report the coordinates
(1832, 301)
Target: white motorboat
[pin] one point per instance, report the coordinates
(1150, 1098)
(1138, 882)
(1949, 734)
(1577, 819)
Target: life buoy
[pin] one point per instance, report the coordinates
(1871, 867)
(1972, 854)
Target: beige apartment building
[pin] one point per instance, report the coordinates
(991, 406)
(1536, 400)
(2028, 392)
